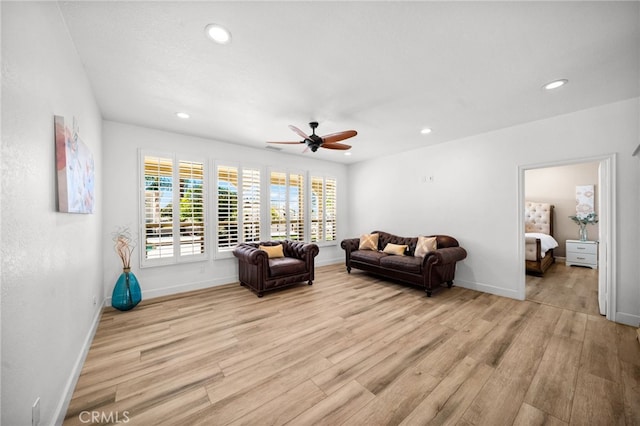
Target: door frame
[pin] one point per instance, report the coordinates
(607, 226)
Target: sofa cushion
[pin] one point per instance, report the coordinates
(368, 242)
(396, 249)
(286, 266)
(425, 245)
(368, 256)
(273, 251)
(409, 264)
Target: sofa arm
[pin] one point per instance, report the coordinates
(446, 256)
(350, 244)
(250, 254)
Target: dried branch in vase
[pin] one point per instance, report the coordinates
(124, 245)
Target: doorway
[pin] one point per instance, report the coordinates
(605, 207)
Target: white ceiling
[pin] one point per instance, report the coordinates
(385, 69)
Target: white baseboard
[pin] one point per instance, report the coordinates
(628, 319)
(199, 285)
(182, 288)
(328, 262)
(67, 394)
(486, 288)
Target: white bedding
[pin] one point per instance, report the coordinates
(547, 242)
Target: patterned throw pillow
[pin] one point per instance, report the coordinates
(425, 245)
(273, 251)
(368, 242)
(396, 249)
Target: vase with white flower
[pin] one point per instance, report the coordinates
(126, 293)
(582, 221)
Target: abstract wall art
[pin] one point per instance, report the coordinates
(75, 170)
(585, 196)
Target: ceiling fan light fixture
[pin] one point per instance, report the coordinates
(218, 33)
(555, 84)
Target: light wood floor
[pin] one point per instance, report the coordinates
(357, 350)
(570, 287)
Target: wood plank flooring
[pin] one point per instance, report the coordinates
(569, 287)
(354, 349)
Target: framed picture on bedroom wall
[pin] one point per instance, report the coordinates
(75, 171)
(585, 200)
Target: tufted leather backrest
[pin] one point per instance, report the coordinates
(385, 238)
(538, 217)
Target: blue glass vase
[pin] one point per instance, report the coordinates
(126, 294)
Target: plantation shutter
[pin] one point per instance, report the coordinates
(192, 230)
(278, 206)
(227, 184)
(330, 210)
(251, 205)
(317, 209)
(287, 206)
(296, 206)
(158, 202)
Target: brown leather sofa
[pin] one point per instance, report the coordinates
(260, 273)
(430, 272)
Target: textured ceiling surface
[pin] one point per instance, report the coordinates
(385, 69)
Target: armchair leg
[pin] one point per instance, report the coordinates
(348, 269)
(450, 283)
(429, 291)
(260, 294)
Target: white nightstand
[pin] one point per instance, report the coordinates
(582, 253)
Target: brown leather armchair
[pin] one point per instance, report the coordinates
(260, 273)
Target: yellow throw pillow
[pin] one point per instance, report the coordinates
(368, 242)
(425, 245)
(273, 251)
(396, 249)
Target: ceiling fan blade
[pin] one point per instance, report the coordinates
(300, 133)
(342, 146)
(288, 143)
(339, 136)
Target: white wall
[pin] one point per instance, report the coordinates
(51, 262)
(121, 145)
(474, 194)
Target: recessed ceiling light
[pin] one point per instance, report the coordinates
(425, 131)
(182, 115)
(347, 153)
(555, 84)
(217, 33)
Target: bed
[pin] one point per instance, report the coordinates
(539, 241)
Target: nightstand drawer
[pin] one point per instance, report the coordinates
(582, 258)
(584, 248)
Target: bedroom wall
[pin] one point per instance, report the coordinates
(557, 185)
(51, 262)
(121, 145)
(474, 194)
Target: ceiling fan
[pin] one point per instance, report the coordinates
(314, 141)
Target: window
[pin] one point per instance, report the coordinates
(299, 206)
(227, 184)
(251, 213)
(287, 206)
(191, 208)
(172, 234)
(238, 205)
(323, 209)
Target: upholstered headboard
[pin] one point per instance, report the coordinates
(538, 217)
